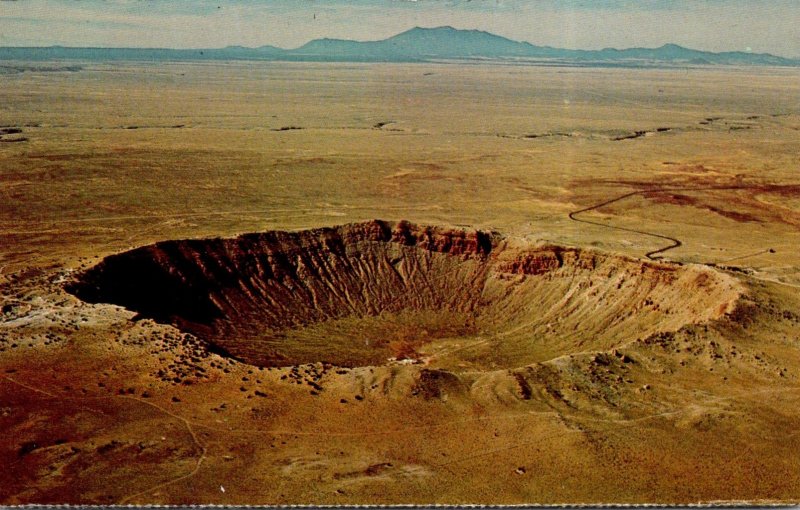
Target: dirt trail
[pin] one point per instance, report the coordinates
(674, 242)
(186, 423)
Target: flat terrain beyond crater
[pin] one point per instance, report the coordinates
(367, 293)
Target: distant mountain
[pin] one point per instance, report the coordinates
(424, 44)
(418, 44)
(415, 45)
(675, 53)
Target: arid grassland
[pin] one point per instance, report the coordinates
(277, 283)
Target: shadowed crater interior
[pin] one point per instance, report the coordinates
(365, 293)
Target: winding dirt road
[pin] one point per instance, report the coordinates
(673, 242)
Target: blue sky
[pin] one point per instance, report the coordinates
(716, 25)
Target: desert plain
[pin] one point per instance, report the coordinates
(285, 283)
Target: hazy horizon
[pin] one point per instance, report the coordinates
(710, 25)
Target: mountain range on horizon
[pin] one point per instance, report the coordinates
(414, 45)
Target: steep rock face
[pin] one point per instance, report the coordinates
(359, 294)
(559, 300)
